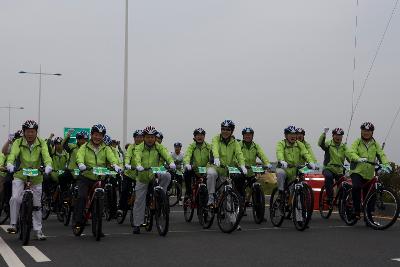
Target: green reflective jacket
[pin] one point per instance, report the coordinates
(31, 158)
(197, 155)
(251, 152)
(229, 153)
(293, 154)
(148, 157)
(130, 160)
(371, 151)
(59, 164)
(335, 155)
(87, 155)
(310, 152)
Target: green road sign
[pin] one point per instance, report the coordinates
(72, 139)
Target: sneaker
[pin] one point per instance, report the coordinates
(39, 235)
(136, 230)
(12, 229)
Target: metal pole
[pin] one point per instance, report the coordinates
(40, 92)
(125, 102)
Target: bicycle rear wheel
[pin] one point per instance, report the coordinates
(174, 193)
(162, 212)
(97, 216)
(276, 208)
(46, 205)
(382, 208)
(302, 204)
(229, 212)
(346, 207)
(258, 203)
(25, 218)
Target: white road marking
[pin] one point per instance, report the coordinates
(36, 254)
(9, 256)
(398, 259)
(5, 227)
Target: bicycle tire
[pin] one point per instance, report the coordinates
(174, 193)
(369, 213)
(26, 218)
(46, 204)
(346, 208)
(325, 208)
(148, 219)
(4, 212)
(97, 222)
(276, 209)
(229, 210)
(188, 209)
(258, 204)
(301, 197)
(67, 214)
(107, 204)
(161, 212)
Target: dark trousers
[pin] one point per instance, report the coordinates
(126, 188)
(358, 182)
(84, 185)
(330, 178)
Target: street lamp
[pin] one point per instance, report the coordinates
(9, 107)
(125, 100)
(40, 73)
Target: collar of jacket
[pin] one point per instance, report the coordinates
(25, 143)
(287, 144)
(232, 138)
(101, 146)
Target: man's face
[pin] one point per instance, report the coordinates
(366, 134)
(30, 135)
(177, 150)
(291, 138)
(199, 138)
(149, 140)
(300, 137)
(248, 137)
(59, 148)
(337, 138)
(97, 138)
(138, 139)
(81, 141)
(226, 132)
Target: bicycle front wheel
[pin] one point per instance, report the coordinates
(346, 207)
(46, 204)
(25, 218)
(258, 203)
(302, 204)
(162, 212)
(325, 206)
(229, 212)
(188, 209)
(174, 193)
(97, 216)
(4, 212)
(276, 208)
(382, 208)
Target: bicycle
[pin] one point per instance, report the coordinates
(130, 202)
(5, 198)
(257, 194)
(296, 201)
(110, 199)
(380, 204)
(198, 198)
(327, 205)
(157, 204)
(68, 201)
(227, 205)
(94, 206)
(174, 190)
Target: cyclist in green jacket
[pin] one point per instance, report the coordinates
(335, 154)
(31, 152)
(72, 149)
(92, 154)
(198, 154)
(362, 152)
(227, 153)
(301, 133)
(289, 153)
(129, 175)
(148, 154)
(2, 176)
(251, 151)
(60, 159)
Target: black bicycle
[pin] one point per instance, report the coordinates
(227, 205)
(157, 204)
(110, 197)
(5, 198)
(257, 194)
(296, 201)
(174, 190)
(121, 214)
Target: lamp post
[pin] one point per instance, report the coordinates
(9, 107)
(40, 73)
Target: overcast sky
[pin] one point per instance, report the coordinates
(264, 64)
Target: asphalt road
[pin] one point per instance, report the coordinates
(325, 243)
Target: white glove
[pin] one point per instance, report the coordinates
(284, 164)
(312, 166)
(81, 167)
(217, 162)
(117, 168)
(244, 170)
(128, 167)
(172, 166)
(188, 167)
(360, 160)
(10, 168)
(326, 130)
(48, 169)
(139, 168)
